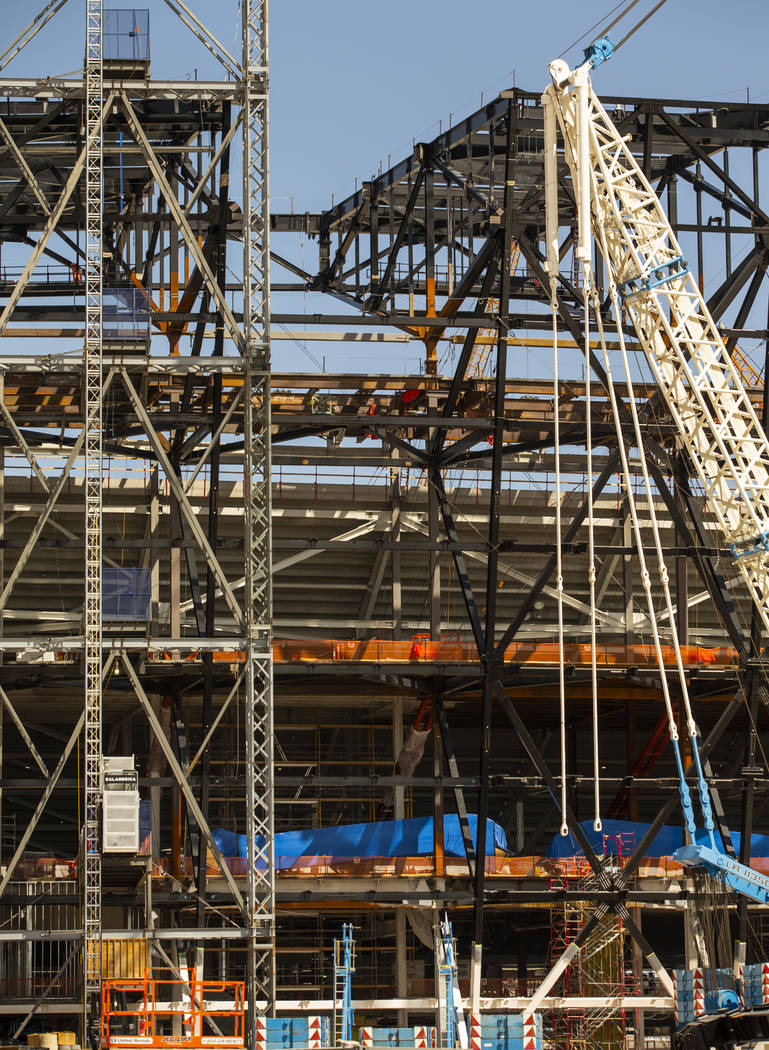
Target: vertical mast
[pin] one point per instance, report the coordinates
(92, 396)
(257, 506)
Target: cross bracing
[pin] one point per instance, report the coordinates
(380, 484)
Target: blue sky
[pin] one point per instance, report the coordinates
(353, 83)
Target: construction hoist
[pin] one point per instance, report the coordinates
(651, 285)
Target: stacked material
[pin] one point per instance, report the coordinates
(276, 1033)
(701, 991)
(421, 1037)
(519, 1031)
(52, 1040)
(689, 988)
(755, 984)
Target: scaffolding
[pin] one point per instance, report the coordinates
(598, 970)
(379, 589)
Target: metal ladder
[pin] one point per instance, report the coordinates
(344, 968)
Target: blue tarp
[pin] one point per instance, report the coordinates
(383, 838)
(665, 843)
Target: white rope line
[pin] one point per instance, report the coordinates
(628, 483)
(663, 572)
(587, 284)
(645, 577)
(564, 830)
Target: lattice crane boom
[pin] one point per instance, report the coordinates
(651, 285)
(702, 388)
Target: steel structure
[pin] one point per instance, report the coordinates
(92, 467)
(247, 343)
(257, 497)
(385, 590)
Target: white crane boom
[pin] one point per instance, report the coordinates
(703, 390)
(651, 284)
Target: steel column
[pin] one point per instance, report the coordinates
(257, 633)
(92, 469)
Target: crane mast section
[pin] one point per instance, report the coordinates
(703, 391)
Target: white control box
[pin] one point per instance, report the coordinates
(120, 805)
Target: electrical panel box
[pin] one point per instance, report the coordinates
(120, 805)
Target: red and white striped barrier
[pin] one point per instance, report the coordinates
(675, 997)
(475, 1032)
(315, 1037)
(529, 1031)
(699, 992)
(366, 1037)
(261, 1033)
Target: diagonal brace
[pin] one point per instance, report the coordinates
(51, 224)
(5, 700)
(184, 504)
(186, 790)
(181, 220)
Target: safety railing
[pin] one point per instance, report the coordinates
(167, 1011)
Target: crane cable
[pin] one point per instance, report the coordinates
(644, 570)
(587, 286)
(702, 784)
(614, 22)
(704, 792)
(564, 829)
(638, 25)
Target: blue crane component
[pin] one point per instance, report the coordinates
(447, 970)
(344, 968)
(599, 51)
(736, 876)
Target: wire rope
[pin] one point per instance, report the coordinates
(595, 26)
(564, 829)
(591, 191)
(638, 25)
(626, 10)
(645, 575)
(704, 792)
(587, 284)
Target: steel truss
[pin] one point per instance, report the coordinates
(257, 498)
(390, 235)
(92, 468)
(252, 341)
(436, 228)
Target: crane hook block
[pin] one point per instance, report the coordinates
(599, 51)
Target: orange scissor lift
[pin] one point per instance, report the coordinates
(168, 1012)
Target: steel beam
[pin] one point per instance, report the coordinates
(184, 504)
(181, 779)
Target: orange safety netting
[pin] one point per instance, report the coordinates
(421, 650)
